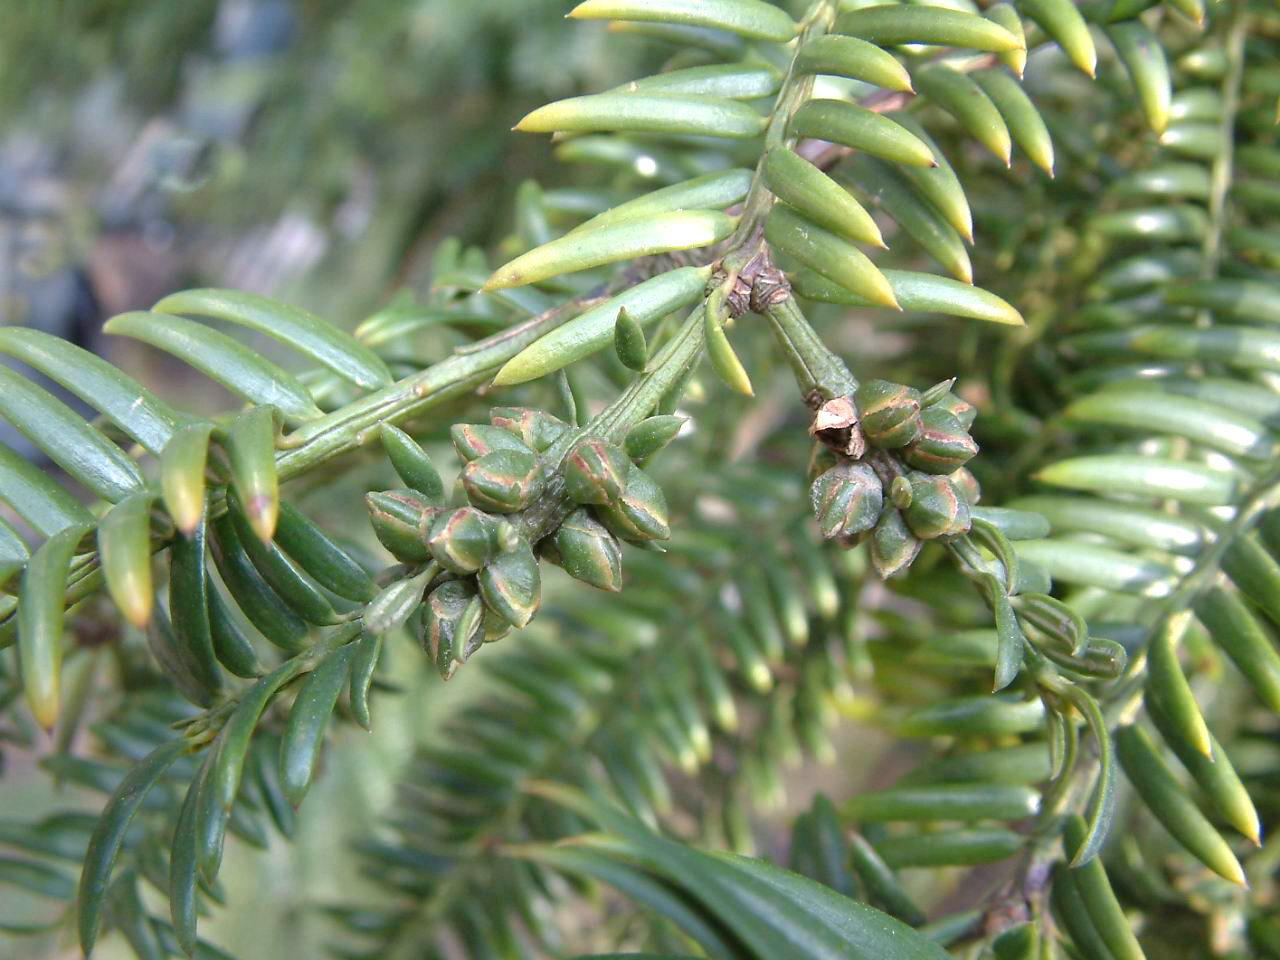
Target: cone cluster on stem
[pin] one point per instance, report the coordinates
(489, 580)
(890, 469)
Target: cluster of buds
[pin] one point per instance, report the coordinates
(484, 547)
(890, 469)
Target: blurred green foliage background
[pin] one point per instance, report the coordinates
(307, 148)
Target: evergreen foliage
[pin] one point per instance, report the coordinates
(1042, 554)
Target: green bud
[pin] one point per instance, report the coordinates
(900, 492)
(640, 513)
(586, 551)
(846, 500)
(411, 462)
(649, 436)
(452, 625)
(968, 485)
(890, 413)
(503, 481)
(464, 540)
(944, 445)
(495, 628)
(629, 342)
(474, 440)
(536, 428)
(595, 472)
(935, 393)
(962, 410)
(512, 586)
(398, 518)
(892, 545)
(937, 508)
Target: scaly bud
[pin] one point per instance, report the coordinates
(398, 518)
(452, 624)
(595, 472)
(944, 445)
(890, 413)
(968, 485)
(962, 410)
(464, 540)
(587, 551)
(495, 628)
(503, 481)
(846, 500)
(935, 393)
(892, 545)
(937, 508)
(640, 513)
(536, 428)
(474, 440)
(512, 586)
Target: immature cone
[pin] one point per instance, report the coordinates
(464, 540)
(890, 413)
(846, 500)
(503, 481)
(595, 472)
(586, 551)
(640, 513)
(968, 485)
(962, 410)
(536, 428)
(495, 628)
(452, 625)
(938, 508)
(474, 440)
(398, 518)
(892, 545)
(511, 585)
(944, 445)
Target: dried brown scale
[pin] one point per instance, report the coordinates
(837, 426)
(756, 286)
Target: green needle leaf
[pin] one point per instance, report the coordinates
(593, 330)
(241, 370)
(125, 402)
(723, 360)
(124, 543)
(292, 326)
(70, 442)
(251, 450)
(621, 240)
(109, 835)
(647, 113)
(1143, 57)
(308, 718)
(753, 19)
(894, 25)
(861, 129)
(40, 620)
(856, 59)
